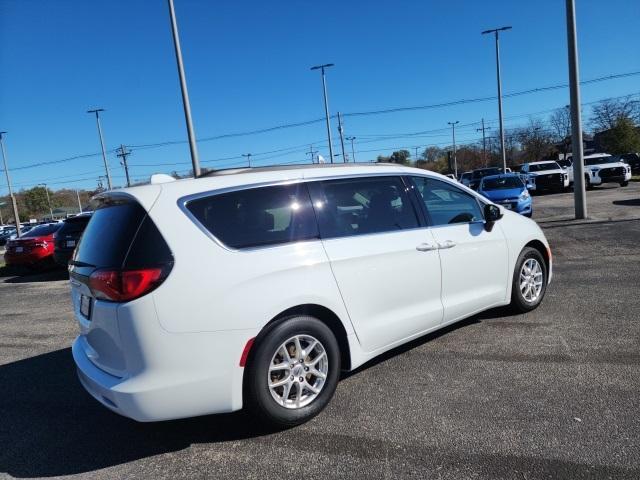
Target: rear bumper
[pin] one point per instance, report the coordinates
(62, 257)
(159, 375)
(25, 258)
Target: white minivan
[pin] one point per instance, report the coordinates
(256, 287)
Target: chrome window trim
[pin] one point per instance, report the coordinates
(183, 201)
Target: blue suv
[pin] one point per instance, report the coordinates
(509, 191)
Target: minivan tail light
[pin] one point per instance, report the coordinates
(125, 285)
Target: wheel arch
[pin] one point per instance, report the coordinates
(542, 248)
(322, 313)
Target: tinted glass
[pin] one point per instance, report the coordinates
(599, 160)
(74, 225)
(148, 247)
(483, 172)
(538, 167)
(42, 230)
(258, 216)
(564, 163)
(358, 206)
(109, 234)
(501, 183)
(447, 204)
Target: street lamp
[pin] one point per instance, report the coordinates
(48, 199)
(496, 31)
(326, 104)
(104, 153)
(353, 152)
(248, 155)
(455, 160)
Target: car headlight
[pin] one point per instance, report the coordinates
(524, 195)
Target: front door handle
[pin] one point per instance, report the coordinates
(446, 244)
(426, 247)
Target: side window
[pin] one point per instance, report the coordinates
(447, 204)
(358, 206)
(258, 216)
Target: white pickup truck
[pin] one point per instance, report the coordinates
(544, 175)
(600, 168)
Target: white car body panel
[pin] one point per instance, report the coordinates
(152, 358)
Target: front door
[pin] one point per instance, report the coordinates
(383, 258)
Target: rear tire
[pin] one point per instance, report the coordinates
(284, 396)
(529, 282)
(624, 184)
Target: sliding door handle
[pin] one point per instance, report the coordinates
(426, 247)
(446, 244)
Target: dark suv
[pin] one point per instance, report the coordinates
(478, 174)
(68, 236)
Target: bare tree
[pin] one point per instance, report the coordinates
(535, 140)
(560, 121)
(431, 154)
(607, 113)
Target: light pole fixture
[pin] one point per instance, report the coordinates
(326, 103)
(16, 217)
(104, 152)
(353, 152)
(455, 160)
(48, 199)
(496, 32)
(248, 155)
(193, 148)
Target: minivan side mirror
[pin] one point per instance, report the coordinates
(492, 213)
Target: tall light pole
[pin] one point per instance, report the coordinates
(326, 104)
(79, 204)
(16, 217)
(455, 160)
(341, 131)
(48, 199)
(248, 155)
(353, 152)
(104, 152)
(193, 148)
(502, 149)
(579, 195)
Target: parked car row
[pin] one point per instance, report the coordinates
(45, 245)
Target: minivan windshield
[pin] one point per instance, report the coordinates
(538, 167)
(501, 183)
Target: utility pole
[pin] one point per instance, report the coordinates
(193, 148)
(579, 195)
(341, 131)
(123, 154)
(311, 152)
(326, 104)
(353, 152)
(484, 142)
(104, 152)
(16, 217)
(502, 149)
(48, 199)
(248, 155)
(79, 204)
(416, 153)
(455, 159)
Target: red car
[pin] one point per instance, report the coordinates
(34, 248)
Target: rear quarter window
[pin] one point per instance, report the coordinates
(257, 217)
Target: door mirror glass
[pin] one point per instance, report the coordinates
(492, 213)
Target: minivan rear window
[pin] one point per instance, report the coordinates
(120, 234)
(258, 216)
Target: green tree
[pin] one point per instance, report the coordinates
(35, 201)
(623, 137)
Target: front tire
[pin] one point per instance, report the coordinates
(529, 282)
(624, 184)
(293, 371)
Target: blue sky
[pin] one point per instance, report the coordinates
(247, 65)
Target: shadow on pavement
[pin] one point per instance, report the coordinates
(632, 202)
(16, 275)
(50, 426)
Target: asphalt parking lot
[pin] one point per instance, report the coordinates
(550, 394)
